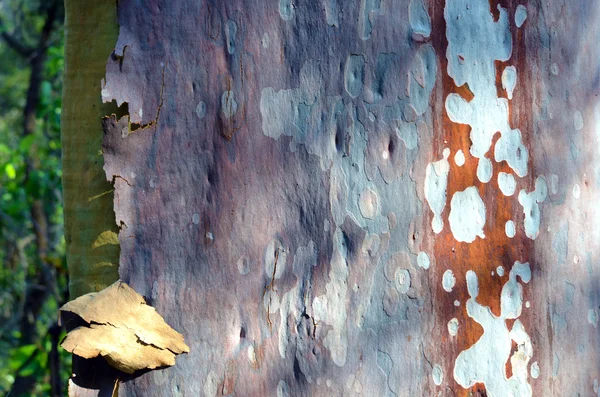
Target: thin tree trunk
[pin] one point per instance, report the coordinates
(92, 255)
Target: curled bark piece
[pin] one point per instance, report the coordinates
(123, 329)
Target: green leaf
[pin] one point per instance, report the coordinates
(20, 355)
(10, 171)
(26, 143)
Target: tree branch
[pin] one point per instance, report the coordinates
(15, 44)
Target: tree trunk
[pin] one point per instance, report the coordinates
(386, 198)
(92, 255)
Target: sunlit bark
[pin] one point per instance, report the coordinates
(360, 197)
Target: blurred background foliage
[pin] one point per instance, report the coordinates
(33, 276)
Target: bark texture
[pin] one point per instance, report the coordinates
(386, 198)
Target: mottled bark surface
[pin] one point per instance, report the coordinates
(293, 199)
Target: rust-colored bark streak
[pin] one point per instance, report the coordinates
(483, 255)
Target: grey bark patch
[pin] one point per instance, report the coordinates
(354, 74)
(423, 76)
(419, 18)
(368, 10)
(286, 10)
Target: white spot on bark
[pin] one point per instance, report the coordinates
(576, 191)
(448, 280)
(510, 148)
(467, 215)
(453, 327)
(535, 370)
(251, 355)
(485, 361)
(423, 260)
(436, 182)
(201, 110)
(484, 170)
(500, 271)
(472, 284)
(437, 374)
(507, 183)
(531, 208)
(510, 229)
(459, 158)
(475, 43)
(509, 80)
(520, 15)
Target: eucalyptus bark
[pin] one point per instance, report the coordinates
(359, 197)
